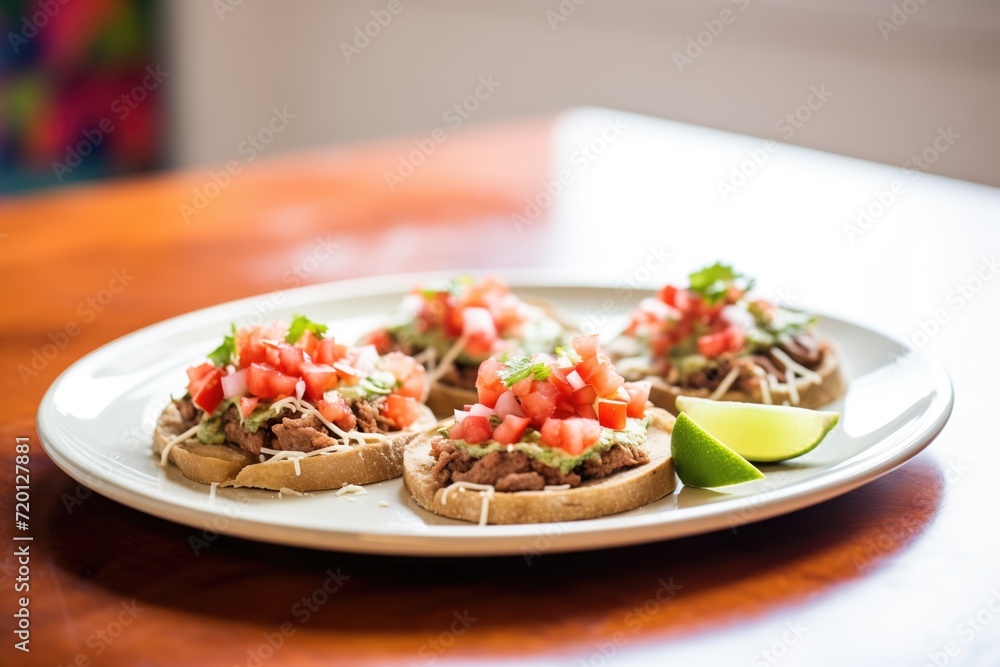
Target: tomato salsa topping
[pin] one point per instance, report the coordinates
(713, 334)
(464, 321)
(567, 402)
(257, 366)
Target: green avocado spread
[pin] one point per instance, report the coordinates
(633, 435)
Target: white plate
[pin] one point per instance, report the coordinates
(96, 422)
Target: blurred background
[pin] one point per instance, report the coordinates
(98, 88)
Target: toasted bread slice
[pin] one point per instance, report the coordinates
(229, 465)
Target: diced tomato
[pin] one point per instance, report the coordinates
(551, 433)
(336, 410)
(249, 347)
(599, 372)
(380, 339)
(571, 435)
(585, 395)
(511, 429)
(588, 367)
(206, 391)
(290, 359)
(638, 396)
(540, 402)
(579, 434)
(457, 431)
(686, 302)
(407, 371)
(558, 378)
(612, 414)
(730, 339)
(266, 381)
(247, 404)
(479, 330)
(586, 411)
(308, 343)
(318, 378)
(403, 410)
(476, 430)
(591, 432)
(329, 352)
(668, 295)
(199, 372)
(522, 388)
(560, 414)
(488, 383)
(587, 346)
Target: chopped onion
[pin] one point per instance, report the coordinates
(346, 369)
(300, 388)
(480, 410)
(234, 384)
(575, 380)
(366, 360)
(507, 405)
(479, 322)
(460, 416)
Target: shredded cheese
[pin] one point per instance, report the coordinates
(555, 487)
(211, 493)
(726, 383)
(293, 492)
(808, 375)
(793, 391)
(165, 454)
(352, 489)
(765, 390)
(383, 503)
(486, 492)
(295, 464)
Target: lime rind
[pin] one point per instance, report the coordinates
(703, 461)
(761, 433)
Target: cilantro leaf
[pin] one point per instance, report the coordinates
(300, 325)
(713, 282)
(223, 354)
(520, 368)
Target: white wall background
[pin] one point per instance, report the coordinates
(232, 63)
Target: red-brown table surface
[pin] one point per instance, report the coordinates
(890, 571)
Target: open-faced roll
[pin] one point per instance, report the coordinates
(284, 407)
(714, 340)
(550, 439)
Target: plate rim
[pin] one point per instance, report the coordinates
(494, 540)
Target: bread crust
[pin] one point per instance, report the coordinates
(811, 395)
(623, 491)
(229, 465)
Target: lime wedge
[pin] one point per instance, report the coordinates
(703, 461)
(763, 433)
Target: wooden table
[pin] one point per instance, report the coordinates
(897, 572)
